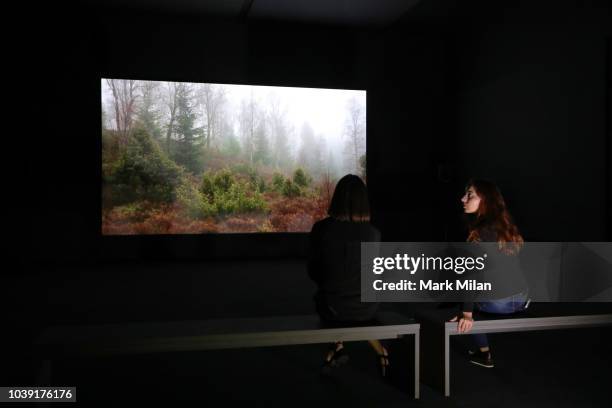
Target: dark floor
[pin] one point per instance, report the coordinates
(564, 368)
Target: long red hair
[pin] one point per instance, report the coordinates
(493, 214)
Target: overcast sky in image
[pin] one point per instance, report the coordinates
(324, 109)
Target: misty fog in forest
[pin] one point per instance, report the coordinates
(196, 157)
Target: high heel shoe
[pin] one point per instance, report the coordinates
(335, 359)
(383, 361)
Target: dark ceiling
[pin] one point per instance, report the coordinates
(358, 13)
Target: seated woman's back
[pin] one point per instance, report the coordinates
(335, 253)
(335, 262)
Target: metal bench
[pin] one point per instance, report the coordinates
(436, 336)
(137, 338)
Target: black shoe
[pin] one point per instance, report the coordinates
(337, 358)
(481, 358)
(383, 361)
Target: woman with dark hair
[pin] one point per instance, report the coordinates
(488, 220)
(335, 265)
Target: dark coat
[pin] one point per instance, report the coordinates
(334, 264)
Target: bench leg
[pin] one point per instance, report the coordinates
(417, 365)
(446, 364)
(433, 355)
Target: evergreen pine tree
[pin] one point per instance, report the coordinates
(188, 149)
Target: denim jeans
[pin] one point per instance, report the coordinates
(509, 305)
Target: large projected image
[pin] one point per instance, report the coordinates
(191, 158)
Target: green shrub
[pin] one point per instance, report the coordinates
(258, 183)
(133, 212)
(278, 181)
(224, 180)
(143, 172)
(301, 178)
(250, 173)
(290, 189)
(223, 194)
(215, 183)
(192, 201)
(237, 199)
(207, 187)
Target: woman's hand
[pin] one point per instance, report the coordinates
(465, 322)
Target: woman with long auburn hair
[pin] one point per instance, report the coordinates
(334, 264)
(490, 216)
(488, 220)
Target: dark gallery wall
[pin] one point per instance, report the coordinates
(512, 91)
(531, 88)
(609, 132)
(68, 273)
(517, 94)
(73, 49)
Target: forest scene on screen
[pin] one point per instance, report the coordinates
(191, 158)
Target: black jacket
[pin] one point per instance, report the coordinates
(334, 263)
